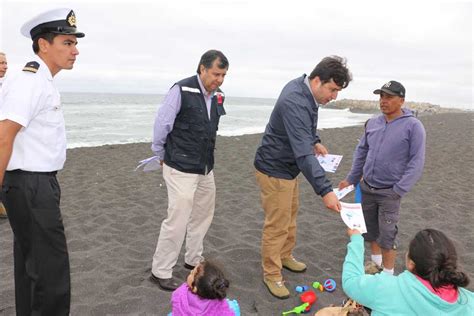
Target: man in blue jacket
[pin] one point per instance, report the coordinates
(389, 158)
(288, 147)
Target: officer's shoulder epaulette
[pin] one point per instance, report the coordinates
(31, 66)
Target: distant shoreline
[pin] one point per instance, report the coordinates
(355, 105)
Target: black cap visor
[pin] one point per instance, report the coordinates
(379, 91)
(53, 27)
(68, 31)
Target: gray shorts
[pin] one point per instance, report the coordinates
(381, 209)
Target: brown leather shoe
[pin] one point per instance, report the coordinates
(188, 266)
(293, 265)
(169, 285)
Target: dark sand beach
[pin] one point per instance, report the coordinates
(112, 217)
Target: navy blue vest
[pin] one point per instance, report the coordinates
(190, 145)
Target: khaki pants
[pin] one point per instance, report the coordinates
(280, 204)
(191, 204)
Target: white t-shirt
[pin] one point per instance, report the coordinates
(31, 100)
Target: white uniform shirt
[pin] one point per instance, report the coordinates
(32, 100)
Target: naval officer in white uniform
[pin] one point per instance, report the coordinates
(32, 150)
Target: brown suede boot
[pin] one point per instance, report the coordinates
(277, 289)
(293, 265)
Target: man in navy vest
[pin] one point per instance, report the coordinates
(184, 140)
(288, 147)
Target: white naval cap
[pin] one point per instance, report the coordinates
(58, 21)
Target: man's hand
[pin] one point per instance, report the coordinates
(351, 232)
(319, 149)
(343, 184)
(331, 202)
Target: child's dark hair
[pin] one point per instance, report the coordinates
(435, 259)
(210, 281)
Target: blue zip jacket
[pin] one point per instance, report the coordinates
(287, 146)
(390, 155)
(398, 295)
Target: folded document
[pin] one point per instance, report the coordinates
(149, 164)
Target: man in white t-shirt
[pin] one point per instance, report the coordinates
(32, 150)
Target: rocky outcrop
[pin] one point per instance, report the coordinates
(373, 106)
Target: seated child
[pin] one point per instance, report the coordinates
(204, 294)
(431, 285)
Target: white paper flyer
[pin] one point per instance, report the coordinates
(353, 216)
(149, 164)
(329, 162)
(342, 193)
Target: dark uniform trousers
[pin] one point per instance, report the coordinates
(42, 277)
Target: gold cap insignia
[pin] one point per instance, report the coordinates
(71, 19)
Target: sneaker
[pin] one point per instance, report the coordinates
(293, 265)
(3, 211)
(277, 289)
(372, 268)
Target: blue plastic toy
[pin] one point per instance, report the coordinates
(330, 285)
(301, 288)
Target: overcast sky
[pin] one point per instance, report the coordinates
(146, 46)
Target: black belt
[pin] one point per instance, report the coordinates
(46, 173)
(374, 188)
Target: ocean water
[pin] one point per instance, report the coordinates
(94, 119)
